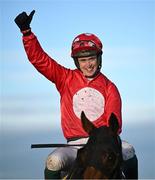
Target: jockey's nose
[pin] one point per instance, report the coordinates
(88, 63)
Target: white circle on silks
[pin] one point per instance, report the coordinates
(89, 100)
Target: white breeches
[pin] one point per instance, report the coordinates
(63, 158)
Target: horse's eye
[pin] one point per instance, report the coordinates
(110, 158)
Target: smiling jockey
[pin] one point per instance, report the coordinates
(83, 89)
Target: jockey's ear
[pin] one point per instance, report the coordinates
(88, 126)
(113, 123)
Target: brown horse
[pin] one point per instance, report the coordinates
(101, 157)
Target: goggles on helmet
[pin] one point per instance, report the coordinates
(86, 45)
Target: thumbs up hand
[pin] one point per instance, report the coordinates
(23, 20)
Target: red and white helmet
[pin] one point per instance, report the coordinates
(86, 44)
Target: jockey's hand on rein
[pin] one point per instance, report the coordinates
(23, 20)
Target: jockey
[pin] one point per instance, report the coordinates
(83, 89)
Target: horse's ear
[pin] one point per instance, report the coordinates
(88, 126)
(113, 123)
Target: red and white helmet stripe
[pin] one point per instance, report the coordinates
(86, 42)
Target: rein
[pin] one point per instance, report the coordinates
(53, 145)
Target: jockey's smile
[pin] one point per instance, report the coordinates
(88, 65)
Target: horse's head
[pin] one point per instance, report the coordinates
(101, 157)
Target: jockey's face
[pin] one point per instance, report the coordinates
(88, 65)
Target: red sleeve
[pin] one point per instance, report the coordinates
(113, 104)
(43, 63)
